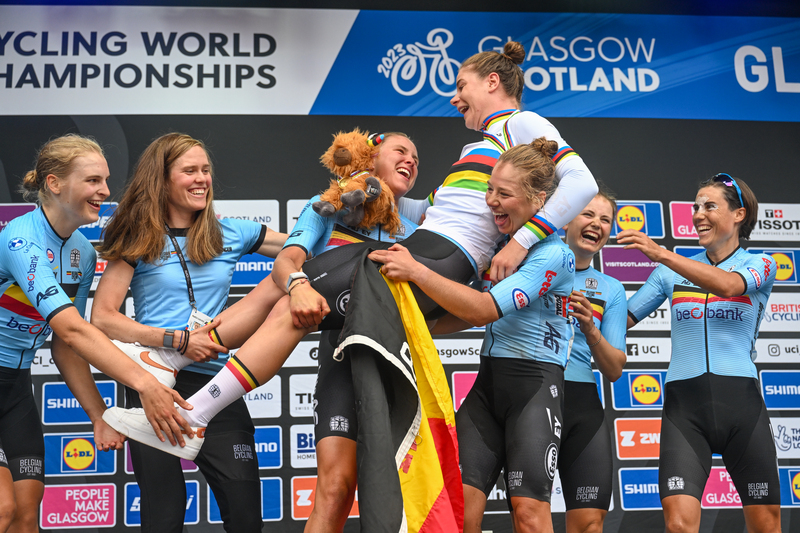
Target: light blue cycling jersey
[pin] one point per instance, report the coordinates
(532, 304)
(160, 294)
(41, 274)
(710, 333)
(317, 234)
(610, 310)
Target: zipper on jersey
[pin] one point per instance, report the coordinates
(705, 332)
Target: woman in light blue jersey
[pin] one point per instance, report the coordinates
(46, 270)
(600, 312)
(166, 243)
(512, 416)
(712, 399)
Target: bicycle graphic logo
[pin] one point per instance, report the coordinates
(410, 63)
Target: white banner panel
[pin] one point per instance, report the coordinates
(104, 60)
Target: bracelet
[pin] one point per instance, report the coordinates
(299, 282)
(184, 342)
(171, 334)
(597, 342)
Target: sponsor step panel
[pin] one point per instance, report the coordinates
(271, 502)
(639, 390)
(78, 506)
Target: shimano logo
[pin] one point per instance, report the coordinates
(778, 390)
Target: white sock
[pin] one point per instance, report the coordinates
(223, 389)
(174, 359)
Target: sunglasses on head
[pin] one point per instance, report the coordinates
(728, 181)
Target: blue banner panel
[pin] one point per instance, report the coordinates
(644, 216)
(268, 446)
(576, 64)
(638, 489)
(74, 454)
(59, 406)
(786, 259)
(251, 269)
(781, 389)
(271, 501)
(639, 389)
(133, 504)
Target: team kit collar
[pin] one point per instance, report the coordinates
(494, 118)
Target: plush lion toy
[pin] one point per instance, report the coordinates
(369, 201)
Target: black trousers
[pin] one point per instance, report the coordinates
(231, 472)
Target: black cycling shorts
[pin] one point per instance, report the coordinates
(512, 418)
(21, 438)
(334, 396)
(227, 460)
(717, 414)
(331, 273)
(584, 462)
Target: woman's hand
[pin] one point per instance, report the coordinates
(636, 240)
(581, 309)
(308, 307)
(398, 264)
(201, 348)
(159, 407)
(506, 261)
(105, 437)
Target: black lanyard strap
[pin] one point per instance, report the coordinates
(184, 267)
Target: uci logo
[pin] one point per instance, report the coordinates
(630, 217)
(785, 266)
(646, 389)
(79, 454)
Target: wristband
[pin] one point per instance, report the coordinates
(167, 343)
(294, 276)
(299, 282)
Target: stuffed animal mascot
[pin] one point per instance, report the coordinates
(368, 200)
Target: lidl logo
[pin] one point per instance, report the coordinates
(271, 502)
(646, 389)
(630, 217)
(79, 454)
(786, 260)
(639, 389)
(644, 216)
(789, 478)
(75, 454)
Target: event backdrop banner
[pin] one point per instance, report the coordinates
(165, 60)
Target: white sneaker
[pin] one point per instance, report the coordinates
(149, 359)
(134, 424)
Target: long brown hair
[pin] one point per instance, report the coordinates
(136, 231)
(56, 158)
(506, 65)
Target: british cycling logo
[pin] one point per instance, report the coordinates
(409, 66)
(16, 243)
